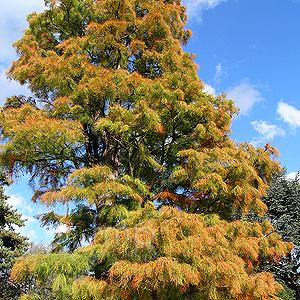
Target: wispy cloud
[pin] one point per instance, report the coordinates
(194, 7)
(19, 203)
(289, 114)
(13, 16)
(31, 228)
(245, 95)
(218, 72)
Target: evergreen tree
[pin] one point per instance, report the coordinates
(119, 118)
(283, 201)
(12, 244)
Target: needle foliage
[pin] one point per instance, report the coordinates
(12, 244)
(118, 118)
(283, 199)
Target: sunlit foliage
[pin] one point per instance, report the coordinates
(165, 254)
(118, 117)
(119, 114)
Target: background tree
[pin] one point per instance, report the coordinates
(283, 201)
(119, 117)
(12, 244)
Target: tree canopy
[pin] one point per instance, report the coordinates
(119, 118)
(119, 114)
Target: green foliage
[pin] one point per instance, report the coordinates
(31, 288)
(286, 293)
(283, 199)
(12, 244)
(81, 222)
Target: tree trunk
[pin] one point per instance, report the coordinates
(91, 146)
(99, 220)
(110, 158)
(154, 295)
(110, 153)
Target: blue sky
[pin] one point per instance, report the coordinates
(249, 49)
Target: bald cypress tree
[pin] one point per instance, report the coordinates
(119, 119)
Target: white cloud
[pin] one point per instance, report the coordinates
(30, 220)
(19, 203)
(291, 175)
(50, 232)
(15, 201)
(245, 95)
(31, 225)
(289, 114)
(31, 234)
(266, 130)
(218, 72)
(203, 4)
(61, 228)
(209, 89)
(194, 7)
(10, 88)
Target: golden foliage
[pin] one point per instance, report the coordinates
(120, 115)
